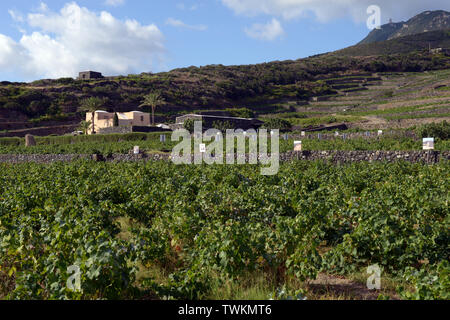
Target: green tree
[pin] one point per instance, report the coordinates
(85, 126)
(92, 104)
(189, 125)
(153, 100)
(434, 130)
(241, 112)
(276, 123)
(223, 125)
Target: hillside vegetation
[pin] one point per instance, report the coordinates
(267, 88)
(258, 87)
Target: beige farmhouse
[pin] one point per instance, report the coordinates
(103, 119)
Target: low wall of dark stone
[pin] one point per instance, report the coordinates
(111, 130)
(50, 158)
(42, 131)
(149, 129)
(428, 157)
(139, 157)
(41, 158)
(130, 129)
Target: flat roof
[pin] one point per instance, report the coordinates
(102, 111)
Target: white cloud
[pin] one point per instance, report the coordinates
(76, 39)
(180, 24)
(43, 7)
(182, 6)
(11, 53)
(16, 16)
(114, 3)
(326, 10)
(269, 32)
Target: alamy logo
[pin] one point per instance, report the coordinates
(374, 281)
(374, 20)
(235, 140)
(74, 281)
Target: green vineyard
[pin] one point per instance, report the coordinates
(160, 231)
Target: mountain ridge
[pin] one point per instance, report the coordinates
(426, 21)
(403, 45)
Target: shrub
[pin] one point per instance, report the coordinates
(241, 113)
(435, 130)
(15, 141)
(13, 106)
(223, 125)
(65, 81)
(430, 283)
(388, 94)
(281, 124)
(189, 125)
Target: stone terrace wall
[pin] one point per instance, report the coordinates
(428, 157)
(370, 156)
(110, 130)
(353, 135)
(41, 158)
(130, 129)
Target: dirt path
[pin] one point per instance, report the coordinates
(336, 287)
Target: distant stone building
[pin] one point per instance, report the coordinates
(105, 119)
(436, 50)
(89, 75)
(445, 51)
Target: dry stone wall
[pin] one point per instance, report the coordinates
(428, 157)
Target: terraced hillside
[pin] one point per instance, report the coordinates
(378, 101)
(57, 105)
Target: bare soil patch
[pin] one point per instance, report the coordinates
(338, 287)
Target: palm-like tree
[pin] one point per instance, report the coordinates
(92, 104)
(85, 126)
(153, 100)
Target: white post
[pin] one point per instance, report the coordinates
(297, 146)
(428, 143)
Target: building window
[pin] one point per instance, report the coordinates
(142, 118)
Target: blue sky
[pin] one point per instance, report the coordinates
(54, 38)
